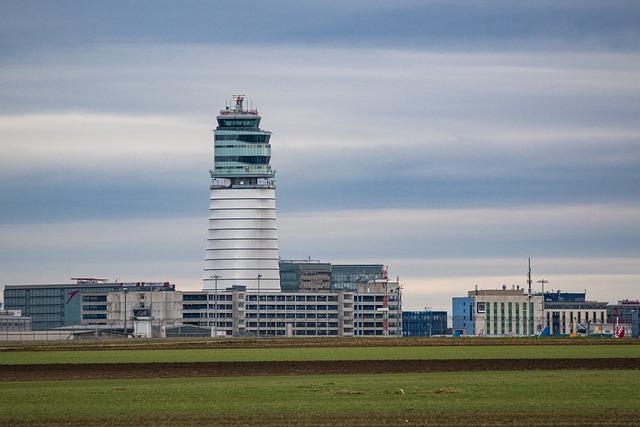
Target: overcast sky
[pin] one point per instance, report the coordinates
(449, 140)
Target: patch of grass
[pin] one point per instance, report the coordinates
(587, 396)
(320, 353)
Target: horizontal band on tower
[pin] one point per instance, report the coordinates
(234, 219)
(234, 269)
(242, 238)
(244, 228)
(242, 209)
(241, 259)
(242, 249)
(243, 198)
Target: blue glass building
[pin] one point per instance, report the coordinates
(424, 323)
(462, 319)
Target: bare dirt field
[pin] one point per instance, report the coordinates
(390, 417)
(205, 343)
(33, 372)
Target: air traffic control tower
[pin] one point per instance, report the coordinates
(242, 244)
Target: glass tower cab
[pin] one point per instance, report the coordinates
(241, 149)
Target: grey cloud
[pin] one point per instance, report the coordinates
(588, 230)
(376, 127)
(535, 126)
(576, 24)
(424, 247)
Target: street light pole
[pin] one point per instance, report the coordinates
(542, 282)
(258, 315)
(125, 312)
(215, 278)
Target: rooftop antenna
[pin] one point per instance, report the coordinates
(542, 282)
(238, 99)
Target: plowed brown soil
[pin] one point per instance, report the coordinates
(35, 372)
(201, 343)
(388, 417)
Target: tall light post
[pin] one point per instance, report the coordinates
(126, 291)
(530, 311)
(544, 319)
(215, 278)
(258, 315)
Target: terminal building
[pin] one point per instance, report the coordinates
(52, 306)
(241, 312)
(373, 310)
(93, 308)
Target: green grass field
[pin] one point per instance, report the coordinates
(319, 353)
(562, 397)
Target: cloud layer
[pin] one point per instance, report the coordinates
(448, 140)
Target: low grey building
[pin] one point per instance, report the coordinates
(238, 312)
(14, 321)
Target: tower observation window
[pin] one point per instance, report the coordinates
(255, 160)
(244, 138)
(237, 123)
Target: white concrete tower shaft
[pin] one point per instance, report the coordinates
(242, 243)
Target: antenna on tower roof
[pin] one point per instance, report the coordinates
(238, 99)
